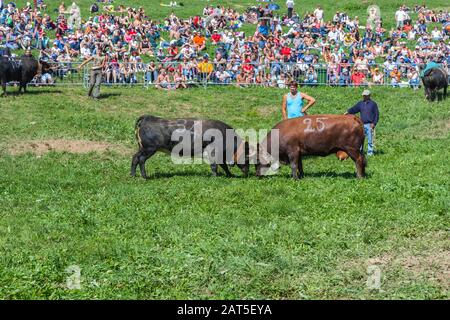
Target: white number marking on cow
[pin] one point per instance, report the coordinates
(308, 122)
(319, 120)
(320, 125)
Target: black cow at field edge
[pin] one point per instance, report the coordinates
(434, 80)
(208, 139)
(22, 71)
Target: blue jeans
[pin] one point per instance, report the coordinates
(369, 133)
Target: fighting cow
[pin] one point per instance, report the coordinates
(22, 71)
(433, 80)
(318, 135)
(212, 140)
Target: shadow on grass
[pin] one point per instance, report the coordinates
(322, 174)
(33, 91)
(103, 96)
(165, 175)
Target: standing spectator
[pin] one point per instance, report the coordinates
(290, 7)
(318, 13)
(292, 105)
(400, 17)
(369, 113)
(98, 64)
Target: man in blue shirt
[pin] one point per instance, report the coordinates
(293, 105)
(369, 114)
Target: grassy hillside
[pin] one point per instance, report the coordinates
(184, 234)
(195, 7)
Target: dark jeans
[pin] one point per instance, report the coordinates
(290, 12)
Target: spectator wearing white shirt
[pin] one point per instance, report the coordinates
(400, 17)
(318, 13)
(290, 7)
(436, 34)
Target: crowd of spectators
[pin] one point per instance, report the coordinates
(212, 46)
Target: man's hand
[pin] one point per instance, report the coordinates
(372, 125)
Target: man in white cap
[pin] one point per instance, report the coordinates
(369, 114)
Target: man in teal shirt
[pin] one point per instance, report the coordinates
(292, 106)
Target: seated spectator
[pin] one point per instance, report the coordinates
(311, 76)
(163, 82)
(413, 78)
(179, 80)
(344, 78)
(377, 77)
(395, 76)
(199, 41)
(205, 69)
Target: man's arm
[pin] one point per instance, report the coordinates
(377, 115)
(310, 100)
(354, 109)
(283, 108)
(84, 62)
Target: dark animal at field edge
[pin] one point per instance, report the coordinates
(434, 80)
(22, 71)
(316, 135)
(157, 134)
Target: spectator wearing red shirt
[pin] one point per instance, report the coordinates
(286, 51)
(216, 37)
(358, 78)
(247, 66)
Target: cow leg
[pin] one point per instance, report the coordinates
(294, 159)
(445, 92)
(360, 162)
(4, 88)
(142, 158)
(214, 169)
(227, 171)
(428, 94)
(433, 95)
(134, 163)
(300, 167)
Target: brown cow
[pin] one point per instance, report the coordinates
(318, 135)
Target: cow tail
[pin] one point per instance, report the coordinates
(138, 132)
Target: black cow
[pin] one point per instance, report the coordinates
(22, 71)
(434, 80)
(210, 139)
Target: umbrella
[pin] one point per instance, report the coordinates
(274, 6)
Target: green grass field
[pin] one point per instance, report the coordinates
(184, 234)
